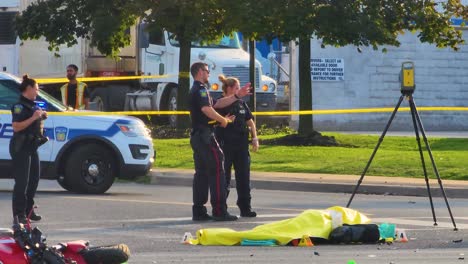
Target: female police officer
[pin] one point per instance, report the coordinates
(27, 137)
(234, 141)
(207, 156)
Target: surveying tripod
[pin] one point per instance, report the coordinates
(418, 126)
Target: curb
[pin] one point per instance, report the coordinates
(183, 178)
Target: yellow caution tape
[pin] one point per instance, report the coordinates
(184, 74)
(98, 79)
(270, 113)
(359, 110)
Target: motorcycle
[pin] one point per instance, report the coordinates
(26, 245)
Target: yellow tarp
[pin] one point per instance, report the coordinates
(312, 223)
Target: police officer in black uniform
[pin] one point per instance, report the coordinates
(234, 141)
(27, 122)
(207, 155)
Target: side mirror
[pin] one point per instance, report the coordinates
(143, 36)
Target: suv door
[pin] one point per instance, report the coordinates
(9, 95)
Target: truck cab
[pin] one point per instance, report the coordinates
(223, 57)
(85, 153)
(159, 55)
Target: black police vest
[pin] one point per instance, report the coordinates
(35, 129)
(237, 131)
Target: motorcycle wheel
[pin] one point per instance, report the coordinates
(106, 254)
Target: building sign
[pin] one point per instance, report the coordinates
(327, 69)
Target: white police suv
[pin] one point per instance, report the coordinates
(84, 153)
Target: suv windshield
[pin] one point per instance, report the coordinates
(51, 100)
(226, 42)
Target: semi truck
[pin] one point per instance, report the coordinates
(149, 54)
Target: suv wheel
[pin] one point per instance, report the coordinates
(90, 168)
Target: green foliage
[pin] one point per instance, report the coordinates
(335, 22)
(264, 130)
(63, 21)
(343, 22)
(106, 23)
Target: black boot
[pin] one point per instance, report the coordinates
(225, 217)
(245, 208)
(19, 219)
(247, 213)
(199, 213)
(35, 217)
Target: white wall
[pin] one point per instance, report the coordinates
(371, 80)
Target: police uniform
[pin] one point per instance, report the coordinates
(234, 141)
(207, 156)
(23, 150)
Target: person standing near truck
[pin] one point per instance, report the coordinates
(74, 93)
(27, 123)
(234, 141)
(207, 155)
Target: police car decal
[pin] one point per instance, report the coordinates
(6, 130)
(61, 133)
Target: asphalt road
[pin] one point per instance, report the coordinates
(152, 219)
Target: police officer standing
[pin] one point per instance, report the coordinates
(234, 141)
(207, 155)
(27, 137)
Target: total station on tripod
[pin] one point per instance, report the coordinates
(407, 78)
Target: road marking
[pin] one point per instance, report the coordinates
(412, 222)
(174, 203)
(169, 219)
(127, 200)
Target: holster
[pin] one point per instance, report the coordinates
(19, 141)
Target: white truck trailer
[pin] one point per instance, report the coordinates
(149, 54)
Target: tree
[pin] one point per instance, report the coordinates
(343, 22)
(105, 23)
(335, 22)
(188, 21)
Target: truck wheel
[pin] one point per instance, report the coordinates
(172, 106)
(117, 96)
(90, 168)
(98, 97)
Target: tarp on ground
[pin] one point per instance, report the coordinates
(311, 223)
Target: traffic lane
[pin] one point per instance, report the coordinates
(153, 219)
(127, 203)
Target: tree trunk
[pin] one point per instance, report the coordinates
(183, 121)
(305, 87)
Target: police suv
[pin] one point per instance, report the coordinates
(84, 153)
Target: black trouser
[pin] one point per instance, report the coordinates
(209, 173)
(26, 168)
(237, 154)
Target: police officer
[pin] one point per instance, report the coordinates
(27, 137)
(207, 155)
(234, 141)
